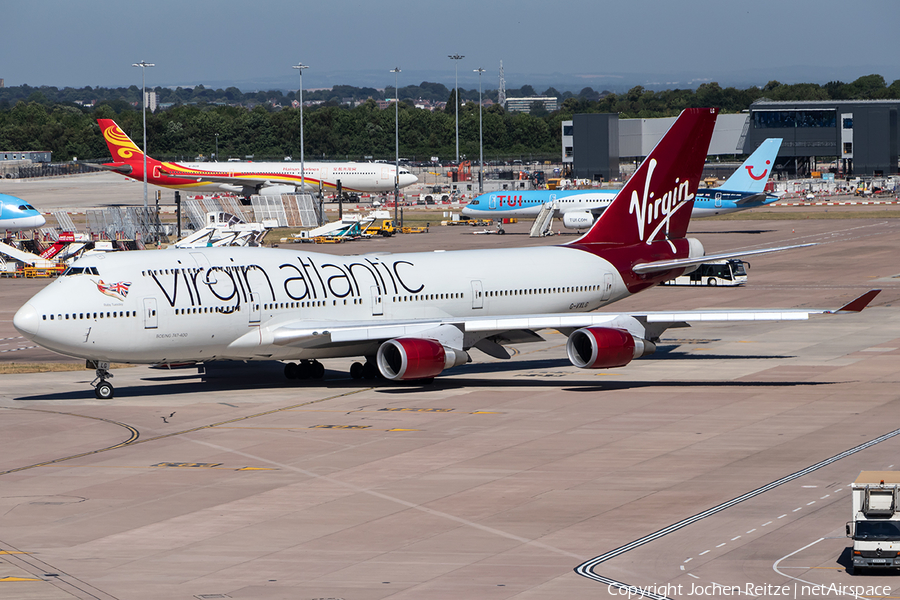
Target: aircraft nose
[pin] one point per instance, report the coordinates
(36, 221)
(27, 321)
(408, 179)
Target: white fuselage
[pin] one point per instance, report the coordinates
(354, 177)
(227, 303)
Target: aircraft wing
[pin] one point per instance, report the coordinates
(322, 334)
(236, 179)
(751, 199)
(665, 265)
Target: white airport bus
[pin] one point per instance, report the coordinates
(720, 272)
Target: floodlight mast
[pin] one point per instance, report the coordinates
(396, 72)
(300, 67)
(457, 58)
(480, 137)
(143, 65)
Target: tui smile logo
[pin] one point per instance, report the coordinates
(757, 177)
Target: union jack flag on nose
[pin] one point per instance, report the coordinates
(116, 290)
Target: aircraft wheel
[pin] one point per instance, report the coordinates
(104, 391)
(318, 370)
(370, 371)
(290, 370)
(712, 281)
(304, 370)
(356, 370)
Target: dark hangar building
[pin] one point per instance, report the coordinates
(861, 134)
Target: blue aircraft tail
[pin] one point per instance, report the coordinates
(754, 173)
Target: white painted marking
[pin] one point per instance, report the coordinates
(809, 486)
(825, 496)
(682, 567)
(752, 530)
(810, 503)
(689, 560)
(735, 538)
(775, 566)
(795, 510)
(770, 522)
(692, 575)
(722, 544)
(781, 517)
(704, 552)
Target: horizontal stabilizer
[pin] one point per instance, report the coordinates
(667, 265)
(860, 303)
(118, 167)
(752, 199)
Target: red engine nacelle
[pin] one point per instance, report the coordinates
(416, 358)
(605, 348)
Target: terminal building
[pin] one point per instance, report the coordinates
(848, 138)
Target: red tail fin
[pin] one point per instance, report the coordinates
(120, 145)
(657, 200)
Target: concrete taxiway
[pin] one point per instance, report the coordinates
(722, 460)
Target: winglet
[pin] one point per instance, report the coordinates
(860, 303)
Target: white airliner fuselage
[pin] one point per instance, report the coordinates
(232, 303)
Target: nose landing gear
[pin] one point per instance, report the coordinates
(102, 388)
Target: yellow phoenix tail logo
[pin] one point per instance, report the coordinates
(125, 148)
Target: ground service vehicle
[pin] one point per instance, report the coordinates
(875, 527)
(719, 272)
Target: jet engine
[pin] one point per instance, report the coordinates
(416, 358)
(578, 220)
(605, 347)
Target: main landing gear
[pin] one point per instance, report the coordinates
(305, 369)
(102, 388)
(369, 370)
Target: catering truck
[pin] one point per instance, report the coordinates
(875, 528)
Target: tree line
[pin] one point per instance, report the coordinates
(50, 119)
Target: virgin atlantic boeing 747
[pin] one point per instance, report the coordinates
(411, 315)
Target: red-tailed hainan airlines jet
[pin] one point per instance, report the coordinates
(409, 315)
(247, 178)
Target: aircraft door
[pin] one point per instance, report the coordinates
(718, 202)
(150, 317)
(492, 202)
(386, 173)
(477, 294)
(377, 302)
(254, 308)
(607, 286)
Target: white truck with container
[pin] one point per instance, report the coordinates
(875, 528)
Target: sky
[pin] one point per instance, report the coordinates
(569, 45)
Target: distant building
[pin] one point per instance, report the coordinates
(524, 104)
(862, 135)
(595, 143)
(38, 156)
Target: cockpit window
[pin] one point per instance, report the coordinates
(81, 271)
